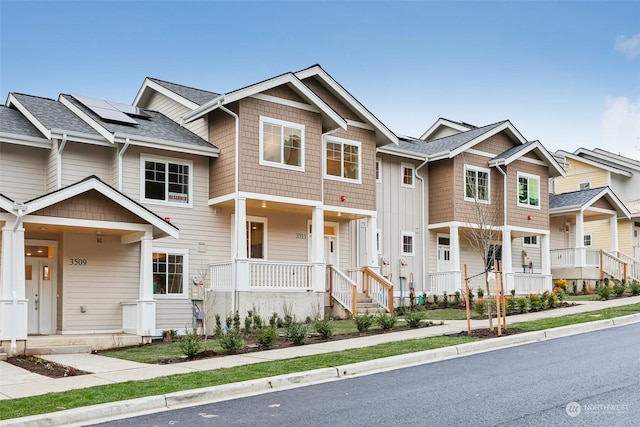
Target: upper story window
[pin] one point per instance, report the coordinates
(408, 247)
(378, 171)
(407, 178)
(281, 144)
(476, 184)
(169, 278)
(167, 181)
(342, 159)
(530, 241)
(584, 185)
(528, 190)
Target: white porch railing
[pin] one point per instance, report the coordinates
(221, 275)
(633, 265)
(129, 317)
(575, 257)
(378, 288)
(356, 277)
(613, 266)
(527, 283)
(280, 275)
(636, 252)
(342, 289)
(445, 281)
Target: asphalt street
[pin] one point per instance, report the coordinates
(589, 379)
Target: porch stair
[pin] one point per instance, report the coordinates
(620, 266)
(57, 349)
(3, 356)
(364, 303)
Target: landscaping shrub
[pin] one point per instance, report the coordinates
(273, 320)
(552, 299)
(218, 331)
(562, 284)
(169, 335)
(297, 333)
(236, 321)
(635, 288)
(324, 328)
(511, 304)
(618, 289)
(445, 299)
(363, 321)
(470, 298)
(191, 344)
(535, 302)
(231, 341)
(247, 322)
(480, 307)
(480, 293)
(413, 318)
(574, 288)
(435, 302)
(266, 337)
(386, 321)
(523, 304)
(456, 299)
(584, 288)
(560, 294)
(604, 291)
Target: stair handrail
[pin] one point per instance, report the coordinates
(633, 269)
(612, 265)
(377, 288)
(342, 289)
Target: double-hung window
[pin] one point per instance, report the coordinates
(476, 184)
(408, 243)
(379, 171)
(281, 144)
(343, 159)
(530, 241)
(167, 180)
(169, 275)
(407, 175)
(528, 190)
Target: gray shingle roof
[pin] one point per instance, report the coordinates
(157, 126)
(605, 162)
(513, 150)
(197, 96)
(574, 198)
(12, 121)
(53, 115)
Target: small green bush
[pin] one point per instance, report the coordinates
(435, 302)
(218, 331)
(618, 289)
(480, 293)
(445, 299)
(574, 288)
(231, 341)
(480, 307)
(191, 344)
(635, 288)
(604, 291)
(297, 333)
(363, 322)
(247, 323)
(273, 320)
(511, 304)
(324, 328)
(386, 321)
(523, 304)
(535, 302)
(413, 318)
(456, 299)
(266, 337)
(552, 300)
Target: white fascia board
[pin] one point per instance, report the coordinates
(202, 110)
(596, 164)
(550, 161)
(110, 193)
(629, 162)
(86, 223)
(82, 137)
(148, 85)
(11, 100)
(614, 200)
(565, 210)
(28, 141)
(530, 231)
(347, 97)
(88, 120)
(166, 145)
(279, 199)
(402, 153)
(7, 204)
(441, 122)
(350, 211)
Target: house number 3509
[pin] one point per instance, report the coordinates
(78, 261)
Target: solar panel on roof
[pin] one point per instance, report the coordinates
(105, 110)
(129, 109)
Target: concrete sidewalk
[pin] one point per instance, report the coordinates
(16, 382)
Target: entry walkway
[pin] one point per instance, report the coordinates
(16, 382)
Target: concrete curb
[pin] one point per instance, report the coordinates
(282, 382)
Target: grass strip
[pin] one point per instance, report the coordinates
(573, 319)
(53, 402)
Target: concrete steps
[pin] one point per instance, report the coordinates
(58, 349)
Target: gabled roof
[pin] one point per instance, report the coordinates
(52, 118)
(331, 119)
(408, 147)
(446, 123)
(609, 166)
(582, 200)
(190, 97)
(6, 203)
(517, 151)
(609, 157)
(156, 131)
(17, 129)
(383, 134)
(161, 227)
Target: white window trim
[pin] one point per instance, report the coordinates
(528, 175)
(342, 141)
(404, 166)
(584, 182)
(464, 180)
(531, 245)
(413, 243)
(263, 220)
(159, 159)
(584, 238)
(185, 271)
(379, 167)
(263, 120)
(379, 241)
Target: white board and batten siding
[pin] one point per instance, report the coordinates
(175, 111)
(22, 171)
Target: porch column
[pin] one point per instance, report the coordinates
(372, 252)
(614, 232)
(241, 281)
(146, 302)
(581, 258)
(545, 255)
(317, 249)
(454, 242)
(507, 260)
(13, 303)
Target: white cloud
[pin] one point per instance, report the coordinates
(629, 46)
(620, 127)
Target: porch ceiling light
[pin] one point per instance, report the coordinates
(339, 213)
(264, 204)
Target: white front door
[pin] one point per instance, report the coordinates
(444, 253)
(331, 250)
(40, 293)
(636, 240)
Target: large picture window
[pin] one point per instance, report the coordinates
(167, 180)
(476, 184)
(528, 190)
(281, 144)
(342, 159)
(168, 273)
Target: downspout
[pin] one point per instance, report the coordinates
(504, 199)
(234, 272)
(62, 144)
(14, 291)
(422, 226)
(322, 140)
(120, 156)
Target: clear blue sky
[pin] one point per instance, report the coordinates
(566, 73)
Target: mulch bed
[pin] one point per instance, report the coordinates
(44, 367)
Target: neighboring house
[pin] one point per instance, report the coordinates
(116, 218)
(468, 177)
(615, 230)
